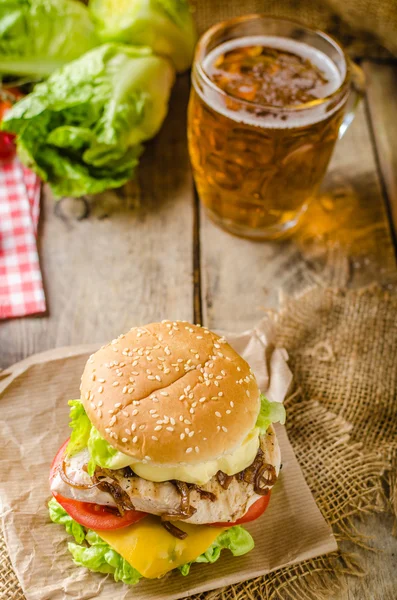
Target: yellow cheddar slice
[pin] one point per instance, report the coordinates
(152, 551)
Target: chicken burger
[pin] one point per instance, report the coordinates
(172, 449)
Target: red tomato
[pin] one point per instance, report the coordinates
(88, 514)
(255, 511)
(96, 516)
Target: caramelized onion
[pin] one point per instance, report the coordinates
(185, 510)
(66, 479)
(173, 530)
(265, 477)
(120, 497)
(223, 479)
(202, 493)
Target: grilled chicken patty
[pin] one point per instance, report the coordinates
(121, 487)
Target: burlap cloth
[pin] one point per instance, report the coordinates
(367, 28)
(342, 423)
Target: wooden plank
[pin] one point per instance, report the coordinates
(103, 275)
(382, 104)
(343, 240)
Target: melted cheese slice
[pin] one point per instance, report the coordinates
(152, 551)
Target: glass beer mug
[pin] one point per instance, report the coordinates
(269, 99)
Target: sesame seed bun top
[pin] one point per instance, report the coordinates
(170, 393)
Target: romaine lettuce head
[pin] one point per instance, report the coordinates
(81, 130)
(92, 552)
(166, 26)
(38, 36)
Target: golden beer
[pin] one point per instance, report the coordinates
(264, 114)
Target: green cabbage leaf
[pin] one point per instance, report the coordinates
(82, 129)
(270, 412)
(236, 539)
(59, 515)
(92, 552)
(166, 26)
(38, 36)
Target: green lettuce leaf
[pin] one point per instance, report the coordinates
(38, 36)
(82, 129)
(166, 26)
(81, 427)
(59, 515)
(100, 557)
(104, 455)
(270, 412)
(236, 539)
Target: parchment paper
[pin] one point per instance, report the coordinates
(34, 423)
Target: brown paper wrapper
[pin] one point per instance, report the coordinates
(34, 423)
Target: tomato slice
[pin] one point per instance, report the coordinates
(88, 514)
(96, 516)
(254, 512)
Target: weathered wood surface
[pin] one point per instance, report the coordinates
(382, 101)
(103, 275)
(164, 259)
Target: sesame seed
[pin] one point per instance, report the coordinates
(155, 399)
(169, 428)
(142, 427)
(128, 431)
(115, 383)
(135, 439)
(218, 427)
(107, 429)
(232, 404)
(216, 383)
(156, 439)
(182, 436)
(125, 389)
(191, 410)
(99, 413)
(130, 390)
(151, 377)
(117, 405)
(182, 397)
(112, 421)
(100, 403)
(158, 377)
(218, 414)
(164, 393)
(167, 351)
(187, 422)
(224, 428)
(134, 373)
(158, 428)
(124, 440)
(191, 434)
(203, 399)
(172, 421)
(181, 417)
(131, 380)
(188, 450)
(133, 427)
(111, 411)
(92, 376)
(134, 412)
(92, 404)
(228, 412)
(197, 449)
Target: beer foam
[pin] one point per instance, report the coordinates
(279, 119)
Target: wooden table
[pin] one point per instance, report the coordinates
(126, 265)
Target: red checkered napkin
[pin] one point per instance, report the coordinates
(21, 285)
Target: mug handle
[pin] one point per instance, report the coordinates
(357, 91)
